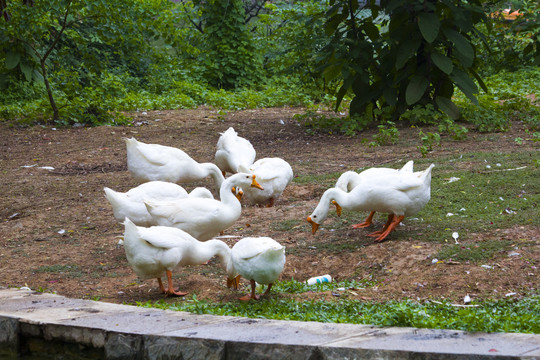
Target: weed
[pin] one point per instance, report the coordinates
(490, 316)
(429, 140)
(388, 134)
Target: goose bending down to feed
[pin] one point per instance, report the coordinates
(233, 151)
(349, 179)
(274, 174)
(148, 162)
(154, 251)
(203, 218)
(399, 194)
(130, 204)
(259, 260)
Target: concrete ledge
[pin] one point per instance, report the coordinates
(37, 323)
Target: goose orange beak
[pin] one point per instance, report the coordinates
(254, 183)
(338, 208)
(314, 225)
(234, 282)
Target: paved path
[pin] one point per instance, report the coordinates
(32, 324)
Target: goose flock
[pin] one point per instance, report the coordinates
(165, 227)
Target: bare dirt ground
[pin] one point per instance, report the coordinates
(57, 231)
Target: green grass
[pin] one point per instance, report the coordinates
(285, 225)
(494, 191)
(72, 271)
(475, 252)
(506, 315)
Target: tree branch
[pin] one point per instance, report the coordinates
(197, 26)
(249, 10)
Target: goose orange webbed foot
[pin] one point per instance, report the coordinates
(366, 223)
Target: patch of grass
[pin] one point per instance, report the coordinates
(285, 225)
(319, 179)
(493, 191)
(491, 316)
(72, 271)
(474, 252)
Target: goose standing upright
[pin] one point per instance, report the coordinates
(258, 259)
(274, 174)
(399, 194)
(148, 162)
(157, 250)
(204, 218)
(233, 151)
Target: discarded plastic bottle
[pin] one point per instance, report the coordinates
(319, 280)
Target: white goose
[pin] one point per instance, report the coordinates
(157, 250)
(399, 194)
(258, 259)
(350, 179)
(274, 174)
(203, 218)
(232, 151)
(148, 162)
(130, 204)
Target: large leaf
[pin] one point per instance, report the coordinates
(465, 84)
(446, 105)
(26, 70)
(12, 60)
(442, 62)
(429, 25)
(462, 44)
(406, 51)
(415, 89)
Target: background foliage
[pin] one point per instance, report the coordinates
(378, 63)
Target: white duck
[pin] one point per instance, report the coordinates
(157, 250)
(148, 162)
(130, 204)
(274, 174)
(258, 259)
(203, 218)
(350, 179)
(399, 194)
(232, 151)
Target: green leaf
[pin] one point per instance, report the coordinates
(26, 70)
(446, 105)
(390, 95)
(12, 60)
(429, 25)
(371, 30)
(442, 62)
(415, 89)
(465, 84)
(406, 51)
(462, 44)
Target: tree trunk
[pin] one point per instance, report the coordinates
(56, 114)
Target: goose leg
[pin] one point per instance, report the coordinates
(271, 202)
(395, 222)
(248, 297)
(170, 291)
(267, 290)
(366, 223)
(161, 287)
(388, 222)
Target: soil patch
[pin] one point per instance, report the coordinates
(57, 231)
